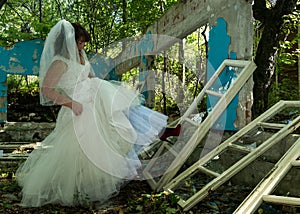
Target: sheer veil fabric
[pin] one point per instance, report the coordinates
(86, 157)
(60, 44)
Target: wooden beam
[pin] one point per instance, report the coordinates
(186, 148)
(282, 200)
(269, 183)
(226, 175)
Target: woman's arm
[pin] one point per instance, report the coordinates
(54, 74)
(91, 75)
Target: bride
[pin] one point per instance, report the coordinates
(99, 130)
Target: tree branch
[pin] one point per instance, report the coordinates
(2, 2)
(284, 7)
(265, 54)
(260, 10)
(11, 6)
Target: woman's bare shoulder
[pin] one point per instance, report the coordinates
(58, 66)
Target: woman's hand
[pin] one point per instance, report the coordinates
(77, 108)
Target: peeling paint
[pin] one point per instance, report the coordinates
(219, 42)
(23, 58)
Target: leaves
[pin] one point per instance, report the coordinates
(162, 202)
(105, 20)
(275, 41)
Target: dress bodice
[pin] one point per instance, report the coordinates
(75, 81)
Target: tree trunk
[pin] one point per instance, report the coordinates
(272, 20)
(181, 77)
(164, 71)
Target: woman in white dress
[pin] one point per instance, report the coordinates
(99, 129)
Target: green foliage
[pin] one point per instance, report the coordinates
(162, 202)
(107, 21)
(23, 84)
(288, 51)
(286, 83)
(285, 89)
(175, 89)
(181, 78)
(82, 199)
(8, 182)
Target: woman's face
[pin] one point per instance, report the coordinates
(80, 44)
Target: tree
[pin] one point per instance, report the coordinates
(107, 20)
(271, 18)
(2, 2)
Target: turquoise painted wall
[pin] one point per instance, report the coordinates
(219, 42)
(22, 59)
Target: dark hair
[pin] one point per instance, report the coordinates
(80, 32)
(60, 46)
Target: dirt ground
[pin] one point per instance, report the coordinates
(136, 197)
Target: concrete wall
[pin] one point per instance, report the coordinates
(25, 131)
(183, 19)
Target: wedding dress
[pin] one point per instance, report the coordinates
(88, 157)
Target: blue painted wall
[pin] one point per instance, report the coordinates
(22, 59)
(103, 67)
(219, 42)
(145, 46)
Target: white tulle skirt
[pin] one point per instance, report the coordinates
(88, 157)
